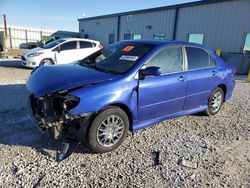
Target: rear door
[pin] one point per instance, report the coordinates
(202, 77)
(165, 94)
(85, 49)
(66, 52)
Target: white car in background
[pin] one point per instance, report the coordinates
(61, 51)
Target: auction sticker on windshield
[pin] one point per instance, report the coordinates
(128, 48)
(129, 58)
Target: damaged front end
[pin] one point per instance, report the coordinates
(51, 113)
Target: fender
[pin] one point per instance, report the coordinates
(96, 97)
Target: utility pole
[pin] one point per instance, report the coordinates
(5, 37)
(5, 25)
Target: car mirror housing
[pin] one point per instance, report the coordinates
(150, 72)
(57, 49)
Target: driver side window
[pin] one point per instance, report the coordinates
(168, 59)
(68, 46)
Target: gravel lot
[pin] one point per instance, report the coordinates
(192, 151)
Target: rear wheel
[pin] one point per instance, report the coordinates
(47, 61)
(108, 130)
(215, 101)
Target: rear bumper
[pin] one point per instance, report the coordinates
(230, 88)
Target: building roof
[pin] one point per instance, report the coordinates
(195, 3)
(162, 42)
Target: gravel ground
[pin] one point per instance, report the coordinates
(12, 71)
(192, 151)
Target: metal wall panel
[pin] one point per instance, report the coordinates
(160, 22)
(224, 24)
(99, 29)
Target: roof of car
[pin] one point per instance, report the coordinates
(162, 42)
(79, 39)
(167, 42)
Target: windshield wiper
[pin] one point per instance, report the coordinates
(93, 66)
(102, 69)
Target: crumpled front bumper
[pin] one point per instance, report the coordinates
(71, 130)
(31, 115)
(63, 125)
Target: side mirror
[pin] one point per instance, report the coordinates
(150, 72)
(57, 49)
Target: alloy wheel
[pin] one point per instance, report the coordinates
(216, 101)
(47, 62)
(110, 131)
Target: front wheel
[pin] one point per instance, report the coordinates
(108, 130)
(215, 101)
(47, 61)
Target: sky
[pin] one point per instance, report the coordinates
(63, 14)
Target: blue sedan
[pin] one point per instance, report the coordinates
(129, 85)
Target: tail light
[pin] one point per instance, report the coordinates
(100, 46)
(234, 71)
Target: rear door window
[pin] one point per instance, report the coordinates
(212, 61)
(84, 44)
(68, 46)
(197, 58)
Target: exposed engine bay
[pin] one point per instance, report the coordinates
(50, 113)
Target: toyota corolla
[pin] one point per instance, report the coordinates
(125, 87)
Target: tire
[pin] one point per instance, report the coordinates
(47, 61)
(103, 136)
(213, 106)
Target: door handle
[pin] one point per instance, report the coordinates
(182, 78)
(214, 72)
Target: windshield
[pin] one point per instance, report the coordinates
(53, 43)
(117, 58)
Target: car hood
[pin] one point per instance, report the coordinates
(49, 79)
(38, 49)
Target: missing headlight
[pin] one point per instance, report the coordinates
(70, 102)
(54, 107)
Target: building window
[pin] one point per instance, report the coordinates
(196, 38)
(247, 43)
(111, 38)
(129, 18)
(86, 36)
(159, 36)
(136, 37)
(127, 36)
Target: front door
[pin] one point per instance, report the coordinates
(67, 53)
(165, 94)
